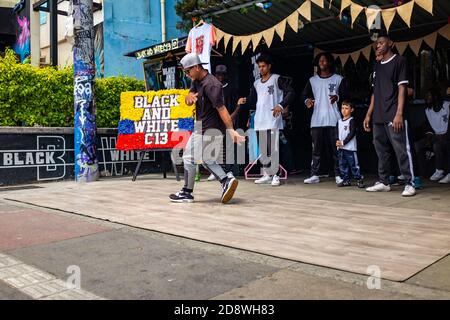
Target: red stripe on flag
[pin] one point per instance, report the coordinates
(142, 141)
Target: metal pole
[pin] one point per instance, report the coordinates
(86, 162)
(54, 32)
(163, 20)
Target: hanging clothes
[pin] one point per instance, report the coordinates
(200, 41)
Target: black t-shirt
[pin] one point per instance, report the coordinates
(230, 98)
(170, 76)
(210, 97)
(388, 76)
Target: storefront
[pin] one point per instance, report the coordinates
(293, 32)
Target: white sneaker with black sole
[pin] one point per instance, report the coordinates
(409, 191)
(182, 196)
(379, 187)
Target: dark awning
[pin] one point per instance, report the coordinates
(326, 31)
(160, 49)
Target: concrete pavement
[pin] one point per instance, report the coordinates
(121, 262)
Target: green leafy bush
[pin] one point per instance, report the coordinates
(44, 96)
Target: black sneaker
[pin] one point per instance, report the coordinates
(361, 184)
(182, 196)
(228, 187)
(344, 184)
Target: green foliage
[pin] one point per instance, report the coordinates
(32, 96)
(184, 6)
(107, 96)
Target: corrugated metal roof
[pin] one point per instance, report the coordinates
(326, 30)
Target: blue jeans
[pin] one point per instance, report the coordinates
(348, 163)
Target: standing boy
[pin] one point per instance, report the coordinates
(347, 146)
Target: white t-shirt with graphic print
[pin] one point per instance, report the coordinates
(200, 41)
(269, 96)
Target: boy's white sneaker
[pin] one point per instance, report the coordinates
(311, 180)
(379, 187)
(409, 191)
(265, 179)
(275, 181)
(211, 177)
(339, 180)
(438, 175)
(446, 179)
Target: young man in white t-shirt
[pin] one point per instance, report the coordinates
(271, 94)
(433, 132)
(322, 93)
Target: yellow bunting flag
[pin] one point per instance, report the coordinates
(268, 36)
(281, 29)
(415, 46)
(355, 56)
(430, 40)
(367, 51)
(405, 11)
(245, 42)
(344, 57)
(318, 2)
(292, 20)
(425, 4)
(219, 35)
(401, 47)
(355, 10)
(445, 31)
(345, 4)
(256, 39)
(226, 39)
(388, 16)
(305, 10)
(236, 41)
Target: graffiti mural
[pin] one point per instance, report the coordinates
(22, 46)
(86, 162)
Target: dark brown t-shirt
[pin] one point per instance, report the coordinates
(210, 97)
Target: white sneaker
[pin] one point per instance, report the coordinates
(339, 180)
(211, 177)
(230, 174)
(379, 187)
(409, 191)
(275, 181)
(446, 179)
(311, 180)
(265, 179)
(438, 175)
(401, 178)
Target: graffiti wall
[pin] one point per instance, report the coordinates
(22, 45)
(86, 163)
(30, 155)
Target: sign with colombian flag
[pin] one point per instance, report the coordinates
(154, 120)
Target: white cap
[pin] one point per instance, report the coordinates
(190, 60)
